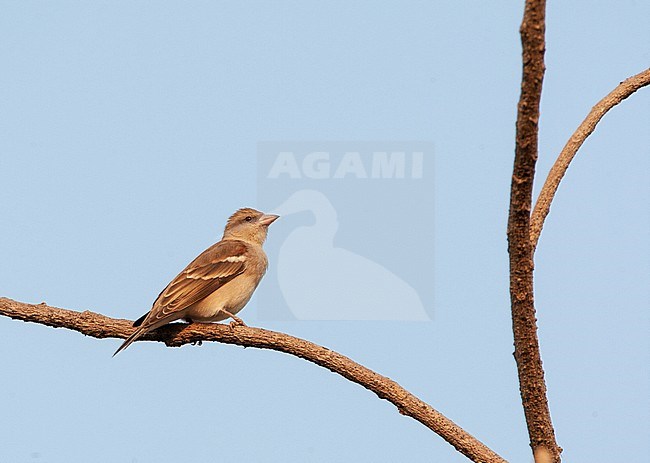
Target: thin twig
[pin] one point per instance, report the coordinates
(177, 334)
(527, 353)
(546, 195)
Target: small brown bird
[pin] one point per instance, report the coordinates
(218, 283)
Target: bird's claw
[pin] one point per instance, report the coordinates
(236, 321)
(197, 343)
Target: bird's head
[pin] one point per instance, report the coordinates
(249, 225)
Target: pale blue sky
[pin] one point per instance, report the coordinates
(129, 132)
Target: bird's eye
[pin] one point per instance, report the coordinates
(248, 218)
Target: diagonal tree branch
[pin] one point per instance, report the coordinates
(527, 354)
(177, 334)
(546, 195)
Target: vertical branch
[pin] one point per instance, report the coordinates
(529, 363)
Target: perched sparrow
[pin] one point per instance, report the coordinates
(219, 282)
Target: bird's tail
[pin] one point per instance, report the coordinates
(128, 341)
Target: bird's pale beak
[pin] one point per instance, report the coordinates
(268, 219)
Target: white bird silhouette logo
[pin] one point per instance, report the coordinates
(322, 282)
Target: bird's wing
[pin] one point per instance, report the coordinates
(213, 268)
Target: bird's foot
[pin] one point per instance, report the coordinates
(236, 321)
(197, 343)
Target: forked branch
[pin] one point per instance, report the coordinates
(546, 195)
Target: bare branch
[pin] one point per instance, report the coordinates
(177, 334)
(546, 195)
(527, 354)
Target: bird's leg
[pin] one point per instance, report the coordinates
(236, 321)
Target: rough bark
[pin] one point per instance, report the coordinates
(527, 353)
